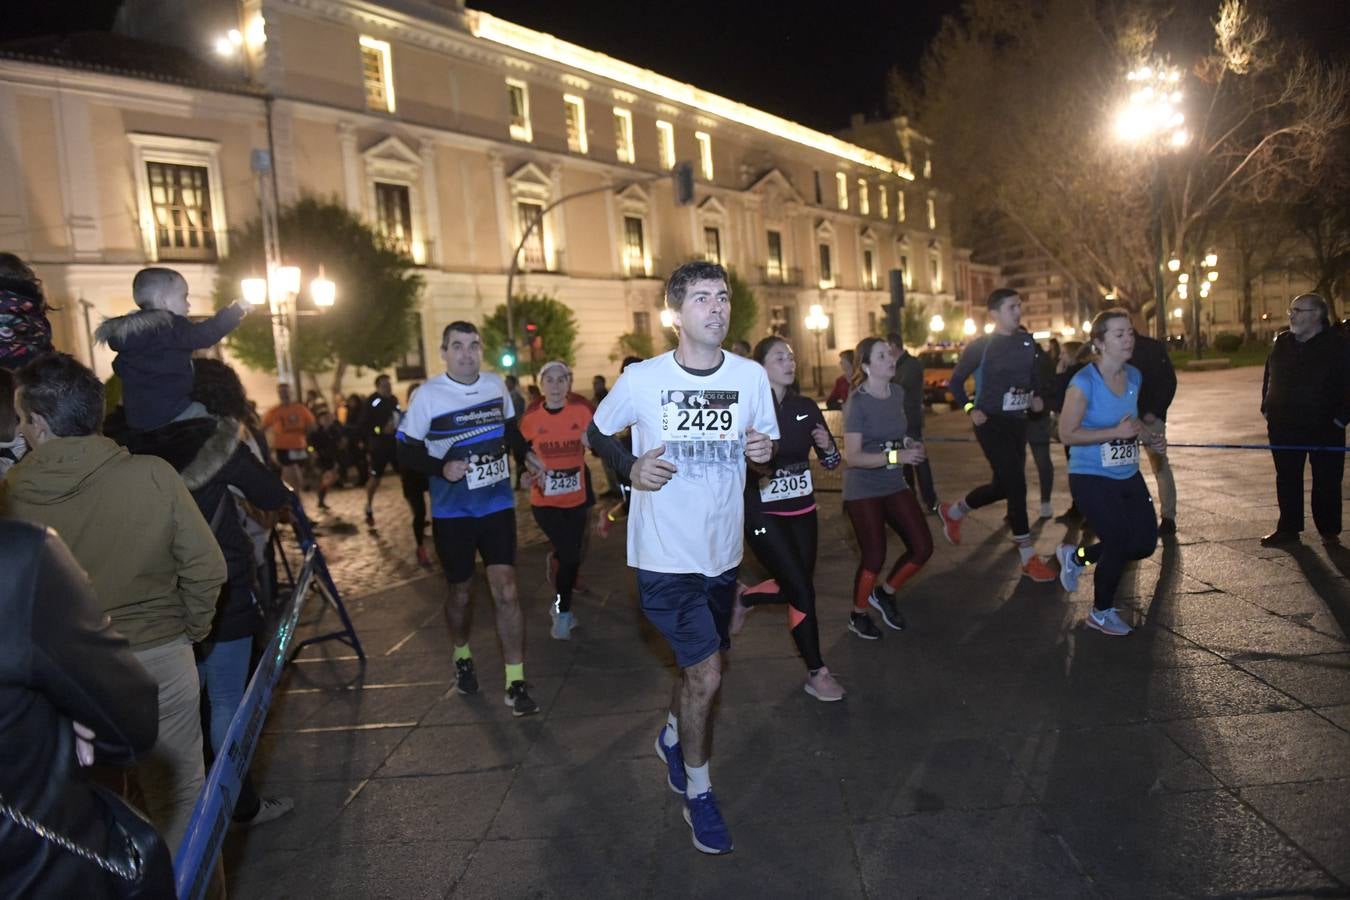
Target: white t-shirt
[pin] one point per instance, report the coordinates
(693, 523)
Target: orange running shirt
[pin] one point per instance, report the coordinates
(289, 425)
(555, 437)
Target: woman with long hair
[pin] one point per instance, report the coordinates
(875, 493)
(1100, 425)
(780, 514)
(561, 494)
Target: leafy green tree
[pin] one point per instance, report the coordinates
(633, 344)
(914, 325)
(377, 290)
(555, 330)
(744, 311)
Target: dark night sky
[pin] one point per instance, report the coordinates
(812, 62)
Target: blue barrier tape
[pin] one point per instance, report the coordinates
(201, 845)
(1171, 445)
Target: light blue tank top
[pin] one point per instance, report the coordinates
(1114, 459)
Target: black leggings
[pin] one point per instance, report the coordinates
(1045, 469)
(786, 546)
(414, 491)
(1004, 442)
(566, 530)
(1121, 514)
(869, 518)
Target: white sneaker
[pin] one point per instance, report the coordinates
(268, 809)
(1108, 621)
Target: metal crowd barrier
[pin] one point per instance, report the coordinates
(196, 857)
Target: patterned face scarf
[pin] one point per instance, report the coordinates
(25, 332)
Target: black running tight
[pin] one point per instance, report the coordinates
(414, 491)
(870, 517)
(786, 546)
(1121, 513)
(566, 531)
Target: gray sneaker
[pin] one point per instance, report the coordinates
(563, 623)
(1108, 621)
(1069, 569)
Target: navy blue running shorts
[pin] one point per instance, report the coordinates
(692, 612)
(492, 537)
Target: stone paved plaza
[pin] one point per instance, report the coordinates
(995, 748)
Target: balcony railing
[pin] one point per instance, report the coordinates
(774, 275)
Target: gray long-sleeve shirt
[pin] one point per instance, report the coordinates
(1004, 366)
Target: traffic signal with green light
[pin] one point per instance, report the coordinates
(508, 357)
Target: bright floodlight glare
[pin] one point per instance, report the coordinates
(254, 290)
(1177, 313)
(1068, 331)
(1211, 259)
(667, 318)
(1183, 291)
(936, 324)
(988, 327)
(1174, 265)
(1213, 275)
(287, 279)
(224, 47)
(1183, 278)
(1087, 326)
(322, 291)
(235, 37)
(968, 327)
(1180, 138)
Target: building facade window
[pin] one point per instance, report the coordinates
(905, 273)
(883, 202)
(864, 201)
(935, 269)
(869, 272)
(773, 269)
(393, 214)
(780, 321)
(705, 159)
(518, 109)
(712, 244)
(900, 205)
(574, 115)
(826, 267)
(927, 167)
(820, 195)
(642, 322)
(665, 144)
(412, 365)
(180, 202)
(532, 255)
(841, 189)
(623, 135)
(634, 247)
(932, 214)
(377, 71)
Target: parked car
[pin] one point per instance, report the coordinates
(938, 365)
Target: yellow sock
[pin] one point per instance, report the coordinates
(462, 653)
(514, 672)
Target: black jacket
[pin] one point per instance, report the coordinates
(1159, 377)
(60, 661)
(909, 377)
(1307, 383)
(211, 459)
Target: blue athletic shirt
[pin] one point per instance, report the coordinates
(468, 422)
(1117, 459)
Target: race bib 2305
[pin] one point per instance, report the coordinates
(787, 483)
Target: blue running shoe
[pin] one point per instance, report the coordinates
(705, 821)
(1069, 568)
(674, 760)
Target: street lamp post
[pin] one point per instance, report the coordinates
(816, 322)
(280, 291)
(1152, 118)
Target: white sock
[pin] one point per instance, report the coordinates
(670, 735)
(1025, 548)
(699, 780)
